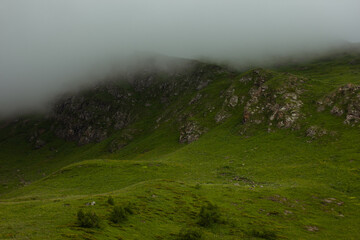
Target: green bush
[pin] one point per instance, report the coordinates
(209, 214)
(88, 219)
(190, 234)
(111, 201)
(120, 213)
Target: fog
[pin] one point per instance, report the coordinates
(51, 46)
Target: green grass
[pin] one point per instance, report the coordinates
(266, 185)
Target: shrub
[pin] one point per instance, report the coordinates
(88, 219)
(190, 234)
(110, 201)
(120, 213)
(209, 214)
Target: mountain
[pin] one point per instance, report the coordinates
(195, 150)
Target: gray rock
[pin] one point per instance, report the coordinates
(233, 101)
(190, 132)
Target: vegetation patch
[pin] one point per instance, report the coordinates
(190, 234)
(120, 213)
(88, 219)
(209, 214)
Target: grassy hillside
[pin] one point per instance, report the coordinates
(292, 176)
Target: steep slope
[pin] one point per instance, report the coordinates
(266, 146)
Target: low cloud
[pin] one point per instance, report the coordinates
(50, 46)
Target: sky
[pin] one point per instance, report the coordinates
(51, 46)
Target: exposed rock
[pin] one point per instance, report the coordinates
(91, 134)
(277, 106)
(287, 212)
(343, 102)
(315, 132)
(195, 99)
(221, 116)
(116, 145)
(202, 85)
(190, 132)
(337, 111)
(121, 119)
(332, 201)
(233, 101)
(92, 115)
(230, 102)
(278, 198)
(245, 79)
(39, 143)
(83, 120)
(312, 228)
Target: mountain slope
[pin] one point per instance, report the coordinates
(254, 143)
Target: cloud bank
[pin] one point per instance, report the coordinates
(49, 46)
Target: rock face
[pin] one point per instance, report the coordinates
(277, 105)
(92, 116)
(344, 102)
(86, 120)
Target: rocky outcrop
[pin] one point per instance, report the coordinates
(344, 102)
(195, 99)
(93, 115)
(231, 101)
(190, 132)
(275, 103)
(221, 116)
(86, 120)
